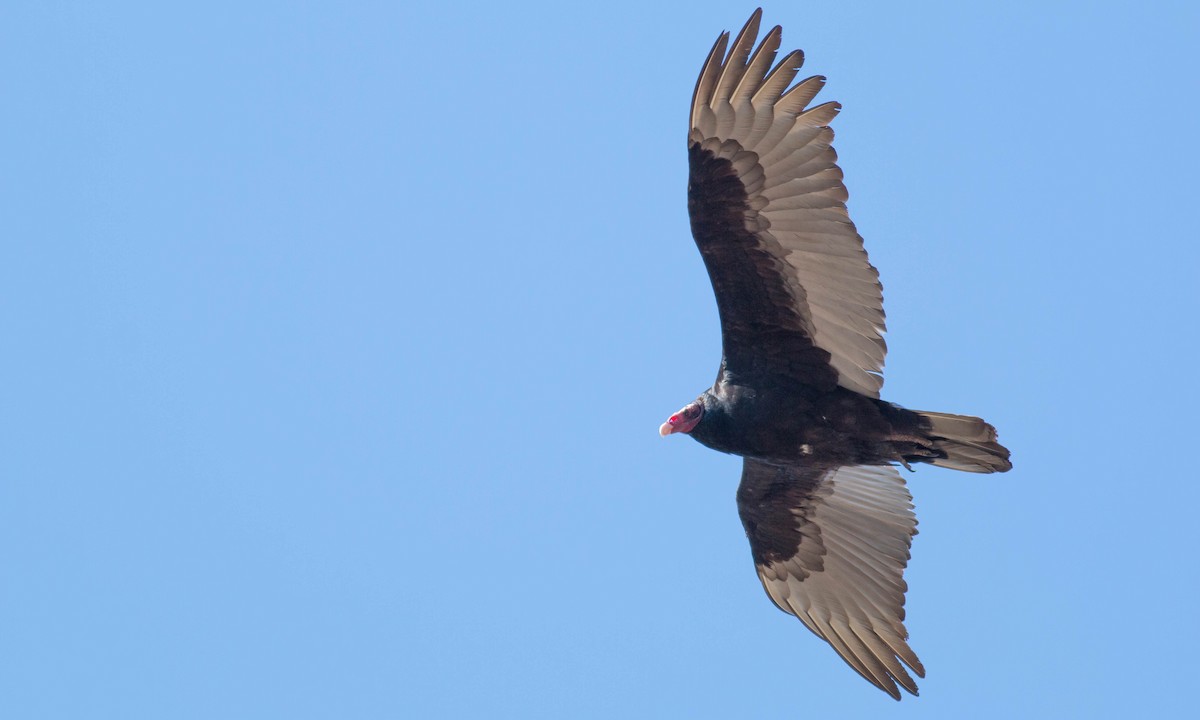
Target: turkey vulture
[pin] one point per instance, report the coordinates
(828, 516)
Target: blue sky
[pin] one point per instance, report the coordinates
(338, 336)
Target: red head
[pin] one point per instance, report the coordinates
(684, 420)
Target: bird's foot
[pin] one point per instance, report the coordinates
(917, 440)
(913, 448)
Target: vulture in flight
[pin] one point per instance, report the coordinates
(826, 511)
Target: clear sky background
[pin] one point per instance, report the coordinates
(337, 336)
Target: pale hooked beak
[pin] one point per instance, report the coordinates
(683, 421)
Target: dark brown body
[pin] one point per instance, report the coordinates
(835, 427)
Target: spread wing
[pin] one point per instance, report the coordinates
(796, 293)
(830, 546)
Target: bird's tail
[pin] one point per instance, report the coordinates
(968, 443)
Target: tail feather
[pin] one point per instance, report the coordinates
(968, 442)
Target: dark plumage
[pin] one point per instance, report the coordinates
(829, 519)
